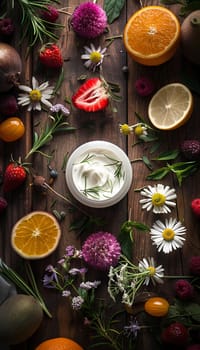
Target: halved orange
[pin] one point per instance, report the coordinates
(171, 106)
(152, 35)
(35, 235)
(59, 344)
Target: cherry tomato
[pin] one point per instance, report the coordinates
(156, 306)
(11, 129)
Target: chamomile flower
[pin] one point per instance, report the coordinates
(168, 236)
(156, 273)
(94, 57)
(139, 129)
(37, 96)
(159, 198)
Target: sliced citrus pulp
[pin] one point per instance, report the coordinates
(35, 235)
(59, 344)
(152, 35)
(171, 106)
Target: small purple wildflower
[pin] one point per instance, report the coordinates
(132, 329)
(77, 302)
(60, 108)
(144, 86)
(74, 271)
(70, 250)
(89, 285)
(101, 250)
(66, 293)
(50, 278)
(89, 20)
(184, 290)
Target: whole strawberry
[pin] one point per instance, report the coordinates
(50, 56)
(51, 14)
(175, 334)
(3, 204)
(14, 176)
(191, 149)
(195, 205)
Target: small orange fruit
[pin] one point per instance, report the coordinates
(59, 344)
(156, 306)
(11, 129)
(35, 235)
(152, 35)
(171, 106)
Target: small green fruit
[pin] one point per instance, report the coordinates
(20, 317)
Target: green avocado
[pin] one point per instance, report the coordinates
(20, 316)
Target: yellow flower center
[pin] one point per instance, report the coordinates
(125, 129)
(95, 57)
(35, 95)
(168, 234)
(158, 199)
(152, 270)
(139, 130)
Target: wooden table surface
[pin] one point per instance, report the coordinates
(99, 126)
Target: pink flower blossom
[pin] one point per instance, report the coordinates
(184, 290)
(89, 20)
(101, 250)
(194, 265)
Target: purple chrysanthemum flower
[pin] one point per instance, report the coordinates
(101, 250)
(184, 290)
(89, 20)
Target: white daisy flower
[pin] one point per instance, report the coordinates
(94, 57)
(159, 198)
(168, 236)
(155, 273)
(36, 96)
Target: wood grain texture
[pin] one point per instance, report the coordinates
(99, 126)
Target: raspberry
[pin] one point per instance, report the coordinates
(6, 26)
(144, 86)
(184, 290)
(195, 205)
(194, 265)
(191, 149)
(50, 15)
(8, 105)
(3, 204)
(175, 334)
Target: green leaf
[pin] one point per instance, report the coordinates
(147, 162)
(168, 155)
(193, 310)
(113, 9)
(158, 174)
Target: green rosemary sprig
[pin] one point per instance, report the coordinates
(34, 27)
(57, 124)
(9, 273)
(116, 163)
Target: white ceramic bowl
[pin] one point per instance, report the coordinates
(98, 174)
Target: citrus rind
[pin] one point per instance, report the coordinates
(26, 239)
(167, 49)
(166, 116)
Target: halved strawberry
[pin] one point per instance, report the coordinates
(92, 96)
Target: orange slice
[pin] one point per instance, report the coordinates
(152, 35)
(59, 344)
(35, 235)
(171, 106)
